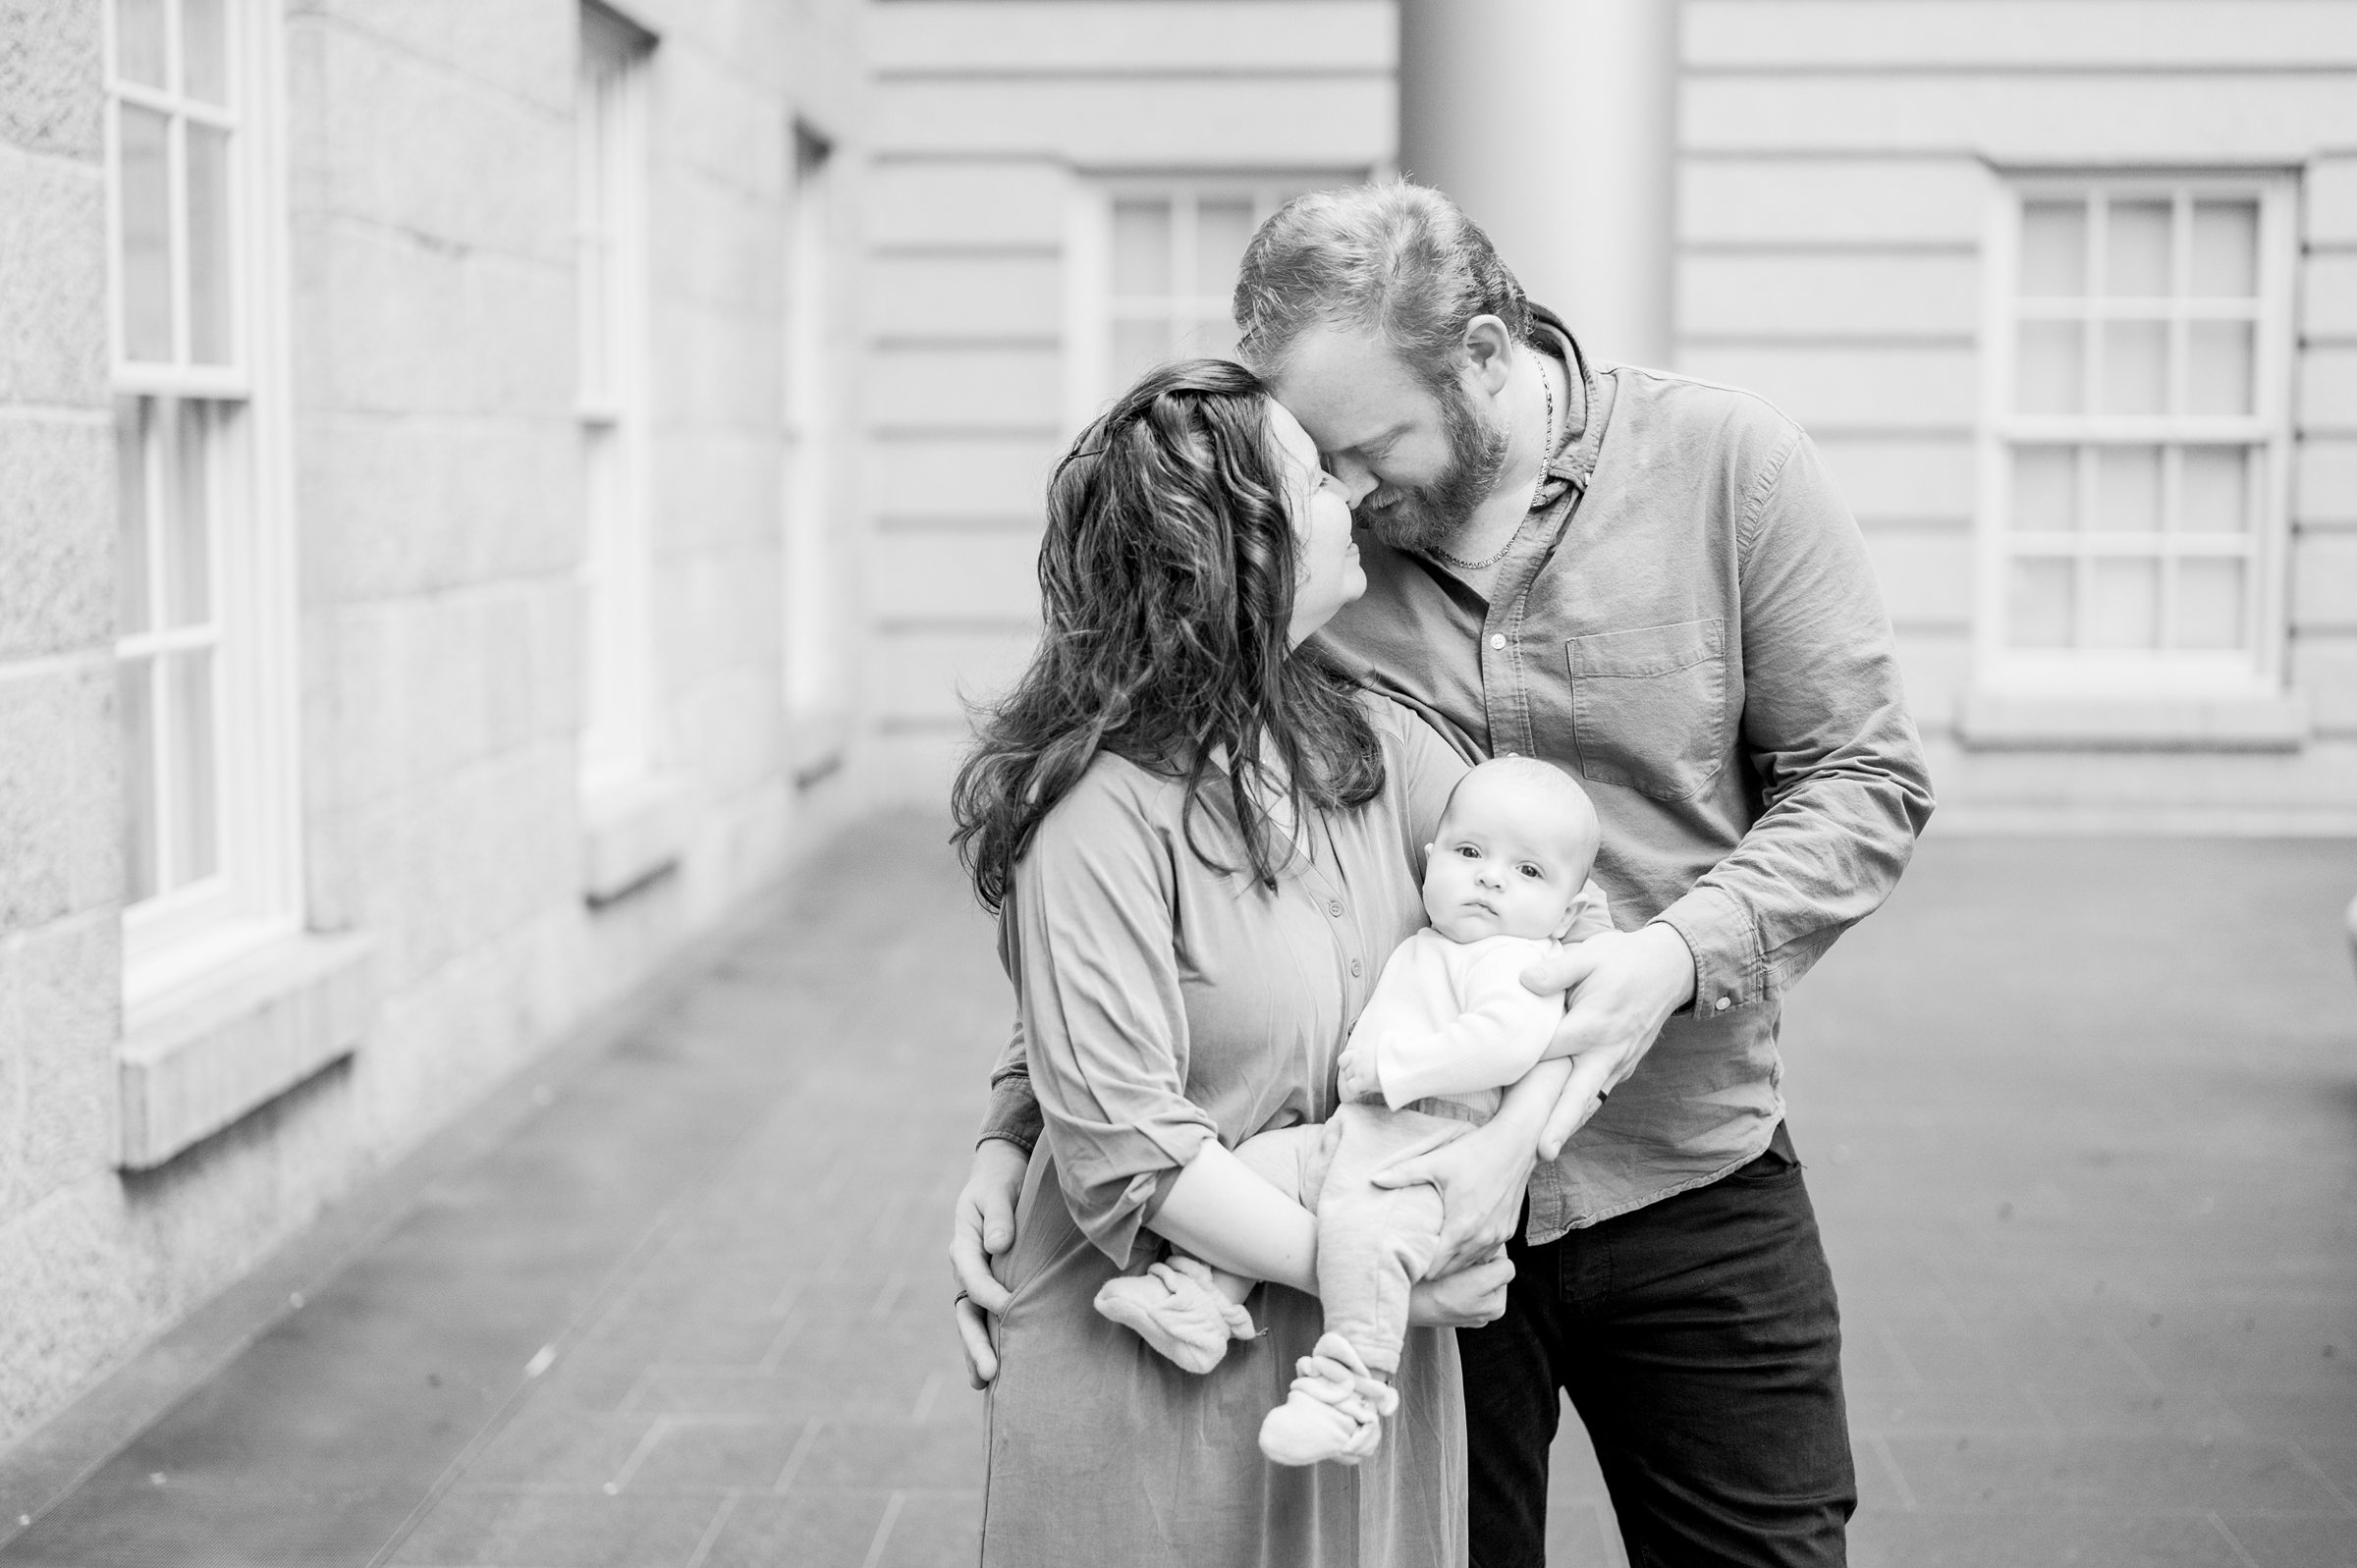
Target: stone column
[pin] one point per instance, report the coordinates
(1550, 122)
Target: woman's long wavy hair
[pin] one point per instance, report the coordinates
(1167, 583)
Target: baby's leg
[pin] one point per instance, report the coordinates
(1373, 1244)
(1184, 1307)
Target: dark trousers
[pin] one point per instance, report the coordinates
(1700, 1342)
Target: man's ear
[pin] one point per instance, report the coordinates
(1489, 353)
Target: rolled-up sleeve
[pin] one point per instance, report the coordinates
(1843, 787)
(1087, 936)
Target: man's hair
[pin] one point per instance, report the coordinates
(1395, 257)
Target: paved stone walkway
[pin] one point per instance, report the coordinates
(2081, 1120)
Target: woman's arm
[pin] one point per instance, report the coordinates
(1219, 1209)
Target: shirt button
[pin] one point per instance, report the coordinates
(1334, 907)
(1496, 639)
(1354, 966)
(1725, 1003)
(1509, 753)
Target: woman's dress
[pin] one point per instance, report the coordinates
(1164, 1003)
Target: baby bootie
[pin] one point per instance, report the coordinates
(1334, 1410)
(1176, 1308)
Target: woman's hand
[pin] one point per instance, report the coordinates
(1465, 1299)
(982, 1227)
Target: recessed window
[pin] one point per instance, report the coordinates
(1154, 273)
(610, 253)
(2139, 430)
(204, 694)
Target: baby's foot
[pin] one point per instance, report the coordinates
(1334, 1410)
(1178, 1309)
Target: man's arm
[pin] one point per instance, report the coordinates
(1826, 728)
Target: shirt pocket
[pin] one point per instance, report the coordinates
(1649, 707)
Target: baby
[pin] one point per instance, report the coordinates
(1447, 1029)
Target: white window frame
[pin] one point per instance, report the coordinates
(1091, 306)
(619, 737)
(255, 896)
(2133, 673)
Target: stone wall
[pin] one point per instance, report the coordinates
(438, 500)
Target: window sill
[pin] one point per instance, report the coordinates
(217, 1048)
(2223, 720)
(632, 833)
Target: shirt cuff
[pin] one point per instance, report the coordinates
(1014, 1113)
(1718, 933)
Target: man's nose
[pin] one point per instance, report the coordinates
(1359, 480)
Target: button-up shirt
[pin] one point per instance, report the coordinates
(1691, 625)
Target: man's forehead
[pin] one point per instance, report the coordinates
(1349, 388)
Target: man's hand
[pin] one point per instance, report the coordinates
(1624, 984)
(1465, 1299)
(1481, 1177)
(982, 1227)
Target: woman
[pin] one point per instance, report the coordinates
(1201, 844)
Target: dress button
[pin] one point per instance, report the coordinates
(1725, 1003)
(1334, 907)
(1354, 966)
(1496, 639)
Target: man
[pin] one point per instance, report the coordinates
(1651, 581)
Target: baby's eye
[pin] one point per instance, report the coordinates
(1530, 871)
(1469, 852)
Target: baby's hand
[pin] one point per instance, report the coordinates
(1357, 1079)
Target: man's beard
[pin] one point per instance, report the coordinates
(1422, 515)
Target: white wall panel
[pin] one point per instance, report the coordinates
(1786, 295)
(993, 478)
(2329, 294)
(948, 577)
(2332, 200)
(1925, 578)
(1158, 121)
(1130, 38)
(966, 201)
(2038, 35)
(2329, 389)
(947, 388)
(929, 675)
(947, 296)
(2324, 481)
(1809, 201)
(2323, 582)
(1904, 480)
(2050, 118)
(1862, 388)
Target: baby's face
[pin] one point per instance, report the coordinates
(1509, 861)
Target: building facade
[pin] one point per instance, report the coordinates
(2063, 290)
(425, 504)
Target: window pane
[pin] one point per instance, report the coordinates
(134, 711)
(1137, 346)
(139, 41)
(2218, 369)
(208, 245)
(2136, 250)
(2135, 367)
(2053, 248)
(2038, 606)
(2123, 603)
(187, 518)
(2213, 492)
(2047, 375)
(1142, 247)
(132, 415)
(146, 221)
(1222, 229)
(2128, 489)
(188, 737)
(2046, 489)
(1212, 336)
(2210, 603)
(2225, 249)
(204, 50)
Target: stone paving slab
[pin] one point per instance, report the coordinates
(2081, 1122)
